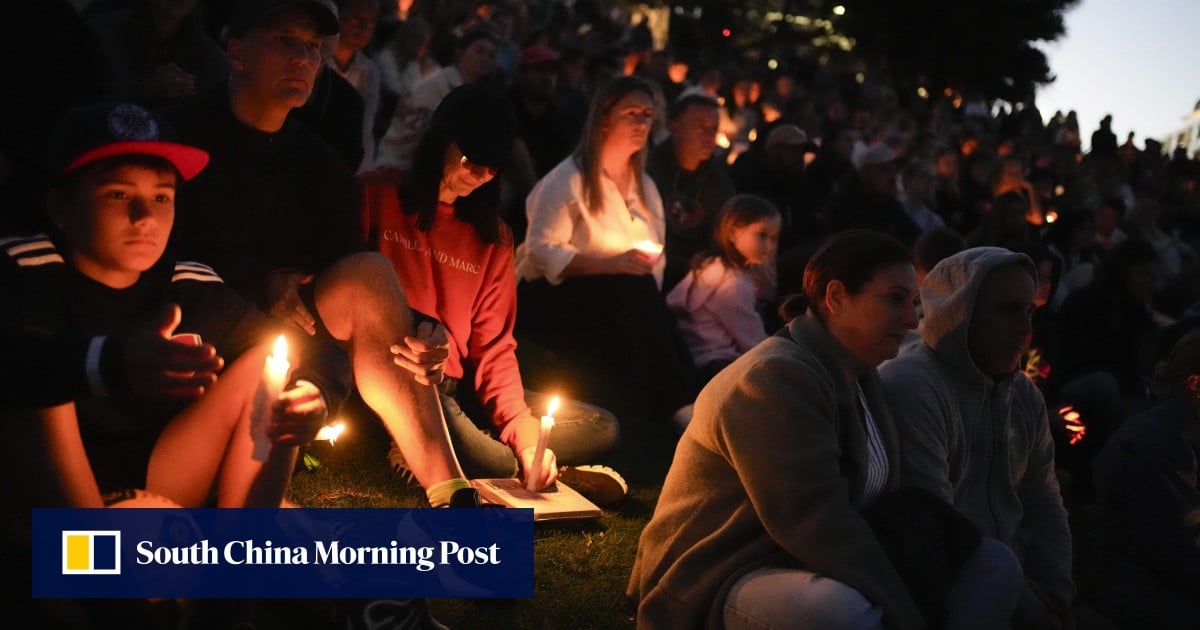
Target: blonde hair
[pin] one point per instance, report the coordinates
(587, 154)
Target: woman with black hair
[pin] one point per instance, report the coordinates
(440, 226)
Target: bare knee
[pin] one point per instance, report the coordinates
(356, 289)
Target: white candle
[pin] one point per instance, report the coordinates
(649, 249)
(539, 452)
(275, 374)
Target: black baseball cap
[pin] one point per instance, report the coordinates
(481, 120)
(248, 13)
(94, 132)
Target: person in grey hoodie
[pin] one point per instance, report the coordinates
(973, 428)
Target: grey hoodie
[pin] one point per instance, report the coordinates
(983, 444)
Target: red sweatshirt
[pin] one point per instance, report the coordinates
(468, 286)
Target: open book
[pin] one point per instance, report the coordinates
(558, 502)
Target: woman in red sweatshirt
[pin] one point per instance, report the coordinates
(440, 226)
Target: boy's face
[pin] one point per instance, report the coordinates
(118, 221)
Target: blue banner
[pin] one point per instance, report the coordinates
(282, 553)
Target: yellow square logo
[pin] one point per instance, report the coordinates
(91, 552)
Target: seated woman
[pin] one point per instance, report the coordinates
(1146, 540)
(440, 226)
(591, 265)
(761, 519)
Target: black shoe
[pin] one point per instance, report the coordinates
(599, 484)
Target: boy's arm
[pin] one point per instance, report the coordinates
(42, 371)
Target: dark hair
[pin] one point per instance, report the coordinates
(1039, 252)
(682, 104)
(851, 257)
(738, 212)
(68, 183)
(1122, 257)
(936, 244)
(476, 33)
(419, 192)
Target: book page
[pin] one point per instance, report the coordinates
(560, 501)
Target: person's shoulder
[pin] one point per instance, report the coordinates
(186, 272)
(30, 253)
(916, 366)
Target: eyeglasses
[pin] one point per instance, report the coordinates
(478, 170)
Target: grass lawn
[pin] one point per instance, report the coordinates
(580, 569)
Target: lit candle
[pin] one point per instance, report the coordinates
(539, 452)
(275, 374)
(650, 250)
(331, 432)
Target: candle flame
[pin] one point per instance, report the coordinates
(552, 407)
(281, 348)
(648, 247)
(331, 432)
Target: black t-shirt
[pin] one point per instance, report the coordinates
(266, 201)
(50, 314)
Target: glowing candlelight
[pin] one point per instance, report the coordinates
(539, 452)
(275, 374)
(649, 249)
(331, 432)
(1073, 423)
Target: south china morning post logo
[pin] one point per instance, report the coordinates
(91, 552)
(291, 553)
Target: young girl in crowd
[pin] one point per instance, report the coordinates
(715, 304)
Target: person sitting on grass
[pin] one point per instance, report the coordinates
(770, 515)
(101, 395)
(440, 226)
(714, 305)
(276, 213)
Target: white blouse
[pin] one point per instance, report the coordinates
(560, 225)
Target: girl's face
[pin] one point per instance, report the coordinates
(627, 123)
(757, 241)
(460, 175)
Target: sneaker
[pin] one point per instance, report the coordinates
(396, 459)
(599, 484)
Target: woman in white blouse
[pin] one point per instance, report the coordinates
(591, 265)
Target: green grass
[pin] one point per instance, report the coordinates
(580, 568)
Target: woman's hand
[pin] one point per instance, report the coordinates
(425, 354)
(632, 262)
(548, 471)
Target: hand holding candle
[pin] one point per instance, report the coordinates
(650, 250)
(275, 375)
(539, 453)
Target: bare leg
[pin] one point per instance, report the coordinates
(213, 436)
(361, 302)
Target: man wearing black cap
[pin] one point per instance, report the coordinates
(277, 213)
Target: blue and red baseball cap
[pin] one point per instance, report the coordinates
(95, 132)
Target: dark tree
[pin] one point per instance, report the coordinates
(983, 46)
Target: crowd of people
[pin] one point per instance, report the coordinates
(930, 363)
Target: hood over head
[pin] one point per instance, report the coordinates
(948, 299)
